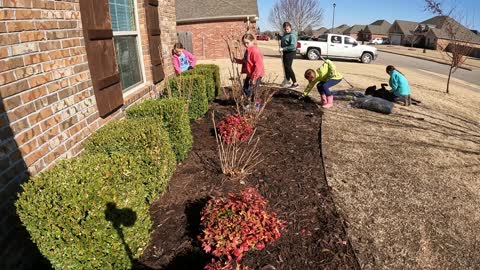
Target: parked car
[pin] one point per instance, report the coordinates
(376, 41)
(263, 37)
(336, 46)
(386, 41)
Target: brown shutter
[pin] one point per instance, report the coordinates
(97, 30)
(154, 42)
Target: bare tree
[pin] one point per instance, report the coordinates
(458, 47)
(308, 30)
(300, 13)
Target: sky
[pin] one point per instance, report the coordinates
(367, 11)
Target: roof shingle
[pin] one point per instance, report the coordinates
(406, 27)
(354, 29)
(196, 10)
(378, 27)
(441, 25)
(338, 30)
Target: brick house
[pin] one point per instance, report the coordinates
(67, 68)
(377, 29)
(433, 34)
(355, 31)
(209, 21)
(401, 32)
(319, 31)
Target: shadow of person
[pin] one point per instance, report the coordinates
(123, 218)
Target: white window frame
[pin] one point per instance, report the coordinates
(136, 33)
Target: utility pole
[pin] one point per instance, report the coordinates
(333, 19)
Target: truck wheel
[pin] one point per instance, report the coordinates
(313, 54)
(366, 58)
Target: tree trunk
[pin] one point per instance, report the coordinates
(448, 81)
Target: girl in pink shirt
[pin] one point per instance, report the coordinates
(182, 59)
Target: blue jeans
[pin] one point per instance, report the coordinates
(247, 88)
(324, 88)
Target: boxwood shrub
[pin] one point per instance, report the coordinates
(209, 80)
(144, 137)
(216, 75)
(192, 88)
(76, 212)
(173, 114)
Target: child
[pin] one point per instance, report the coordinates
(326, 76)
(182, 59)
(400, 88)
(252, 65)
(288, 48)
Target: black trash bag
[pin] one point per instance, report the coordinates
(347, 95)
(373, 104)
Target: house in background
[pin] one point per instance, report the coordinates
(337, 30)
(401, 32)
(355, 32)
(377, 29)
(433, 34)
(319, 31)
(210, 21)
(66, 69)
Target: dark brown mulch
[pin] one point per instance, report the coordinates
(291, 178)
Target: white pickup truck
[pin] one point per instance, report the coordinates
(336, 46)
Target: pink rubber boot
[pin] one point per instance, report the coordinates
(324, 100)
(329, 102)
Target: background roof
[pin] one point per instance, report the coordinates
(191, 10)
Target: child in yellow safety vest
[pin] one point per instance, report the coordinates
(325, 77)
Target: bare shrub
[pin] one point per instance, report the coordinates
(237, 158)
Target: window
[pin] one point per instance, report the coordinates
(336, 39)
(349, 41)
(126, 39)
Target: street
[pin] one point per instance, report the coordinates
(410, 62)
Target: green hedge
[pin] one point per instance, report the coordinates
(209, 80)
(144, 137)
(192, 88)
(216, 75)
(173, 113)
(66, 211)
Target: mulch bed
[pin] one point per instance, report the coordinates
(291, 178)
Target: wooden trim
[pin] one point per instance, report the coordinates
(106, 82)
(100, 34)
(153, 3)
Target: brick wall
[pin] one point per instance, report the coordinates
(47, 106)
(207, 38)
(374, 36)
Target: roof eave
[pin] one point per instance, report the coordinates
(253, 18)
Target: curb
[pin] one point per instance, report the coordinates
(423, 58)
(322, 157)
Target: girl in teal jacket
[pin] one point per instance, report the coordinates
(288, 48)
(398, 82)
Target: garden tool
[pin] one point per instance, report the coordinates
(351, 86)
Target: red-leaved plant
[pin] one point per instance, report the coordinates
(234, 128)
(235, 225)
(220, 265)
